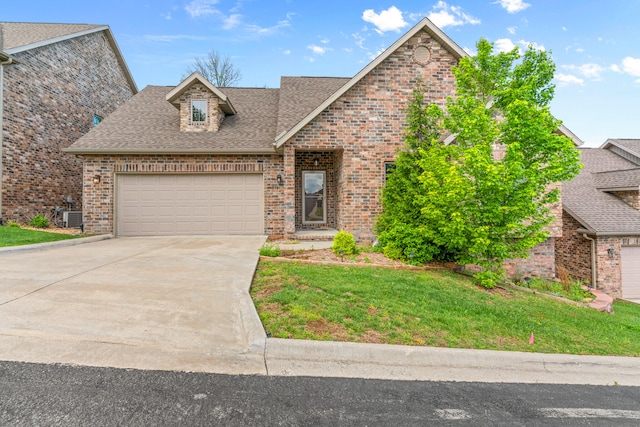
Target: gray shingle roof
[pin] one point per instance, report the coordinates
(630, 145)
(301, 95)
(598, 211)
(17, 34)
(617, 180)
(149, 123)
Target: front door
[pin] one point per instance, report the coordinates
(314, 198)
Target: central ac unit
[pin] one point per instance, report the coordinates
(72, 219)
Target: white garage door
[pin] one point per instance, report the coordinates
(631, 272)
(160, 205)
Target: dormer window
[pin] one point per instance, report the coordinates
(198, 111)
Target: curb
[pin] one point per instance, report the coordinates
(49, 245)
(285, 357)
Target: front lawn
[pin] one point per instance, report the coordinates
(431, 308)
(14, 236)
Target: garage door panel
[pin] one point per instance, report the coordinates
(190, 204)
(631, 272)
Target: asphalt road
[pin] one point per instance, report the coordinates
(50, 395)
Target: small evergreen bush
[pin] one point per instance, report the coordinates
(345, 242)
(39, 221)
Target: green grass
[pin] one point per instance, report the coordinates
(369, 304)
(13, 236)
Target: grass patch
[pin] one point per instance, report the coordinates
(13, 236)
(572, 291)
(369, 304)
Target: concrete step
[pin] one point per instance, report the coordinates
(320, 235)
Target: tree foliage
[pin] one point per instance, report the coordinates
(485, 197)
(216, 69)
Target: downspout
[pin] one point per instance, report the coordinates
(594, 273)
(5, 60)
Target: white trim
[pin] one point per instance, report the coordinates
(110, 38)
(425, 24)
(178, 90)
(324, 197)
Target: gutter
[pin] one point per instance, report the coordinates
(607, 233)
(106, 151)
(4, 60)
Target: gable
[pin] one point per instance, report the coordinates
(17, 37)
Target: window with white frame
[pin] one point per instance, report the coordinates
(198, 111)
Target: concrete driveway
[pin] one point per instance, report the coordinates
(168, 303)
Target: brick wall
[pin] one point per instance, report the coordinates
(609, 272)
(540, 263)
(573, 251)
(215, 115)
(326, 163)
(367, 123)
(631, 197)
(99, 199)
(50, 99)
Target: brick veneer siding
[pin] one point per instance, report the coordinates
(609, 269)
(99, 199)
(573, 251)
(326, 163)
(215, 115)
(630, 197)
(367, 124)
(540, 263)
(50, 99)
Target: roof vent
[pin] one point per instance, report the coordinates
(421, 55)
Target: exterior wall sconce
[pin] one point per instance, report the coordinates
(96, 179)
(316, 162)
(279, 179)
(611, 252)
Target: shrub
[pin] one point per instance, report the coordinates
(270, 249)
(344, 242)
(39, 221)
(13, 224)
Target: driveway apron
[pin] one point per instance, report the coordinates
(167, 303)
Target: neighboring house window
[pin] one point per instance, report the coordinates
(389, 167)
(198, 111)
(96, 119)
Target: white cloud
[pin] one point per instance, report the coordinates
(534, 45)
(318, 50)
(504, 45)
(387, 20)
(513, 6)
(590, 71)
(325, 40)
(512, 30)
(615, 68)
(201, 7)
(286, 52)
(444, 15)
(568, 79)
(267, 31)
(579, 50)
(631, 66)
(232, 21)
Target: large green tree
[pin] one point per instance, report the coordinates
(475, 179)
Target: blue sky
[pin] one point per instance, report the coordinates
(595, 44)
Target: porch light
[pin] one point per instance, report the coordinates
(611, 252)
(316, 162)
(279, 179)
(96, 179)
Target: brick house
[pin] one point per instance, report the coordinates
(600, 240)
(196, 159)
(55, 81)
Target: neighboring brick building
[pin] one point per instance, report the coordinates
(56, 79)
(309, 155)
(600, 242)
